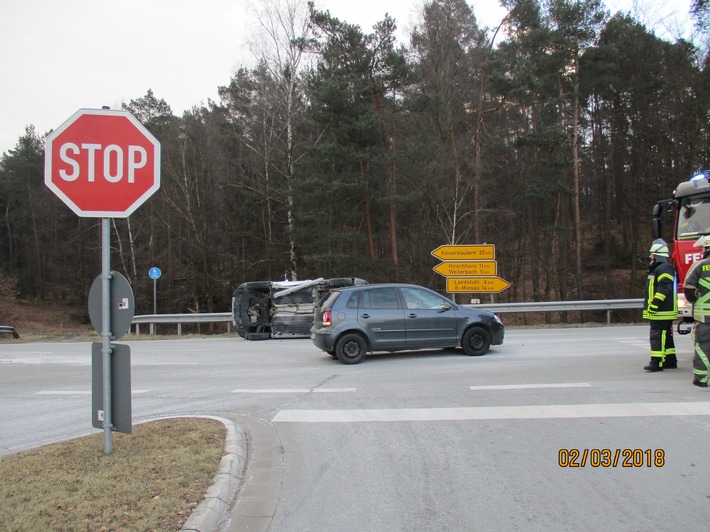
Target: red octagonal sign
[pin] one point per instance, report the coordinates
(102, 163)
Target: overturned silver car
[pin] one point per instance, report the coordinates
(281, 309)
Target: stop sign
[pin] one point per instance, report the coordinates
(102, 163)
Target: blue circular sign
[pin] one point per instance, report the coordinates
(154, 273)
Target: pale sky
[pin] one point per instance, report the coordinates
(58, 56)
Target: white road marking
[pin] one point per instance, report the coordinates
(84, 361)
(294, 390)
(532, 386)
(495, 412)
(77, 392)
(634, 342)
(164, 363)
(26, 353)
(77, 361)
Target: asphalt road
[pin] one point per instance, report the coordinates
(416, 441)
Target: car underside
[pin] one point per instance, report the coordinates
(280, 309)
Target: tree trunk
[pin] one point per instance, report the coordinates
(368, 217)
(391, 182)
(575, 183)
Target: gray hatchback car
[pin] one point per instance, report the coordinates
(353, 321)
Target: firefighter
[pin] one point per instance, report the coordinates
(661, 307)
(697, 291)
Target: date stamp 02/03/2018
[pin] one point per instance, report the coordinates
(611, 457)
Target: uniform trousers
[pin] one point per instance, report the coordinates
(662, 343)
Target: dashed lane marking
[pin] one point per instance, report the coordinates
(77, 392)
(634, 342)
(532, 386)
(294, 390)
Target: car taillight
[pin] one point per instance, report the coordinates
(327, 318)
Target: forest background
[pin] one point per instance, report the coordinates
(346, 153)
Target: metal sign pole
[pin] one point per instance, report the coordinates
(154, 273)
(105, 326)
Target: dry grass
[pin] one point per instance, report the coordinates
(151, 481)
(49, 321)
(60, 321)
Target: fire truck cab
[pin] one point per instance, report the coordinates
(690, 208)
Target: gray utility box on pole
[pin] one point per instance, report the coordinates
(121, 411)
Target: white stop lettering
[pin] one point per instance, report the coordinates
(112, 159)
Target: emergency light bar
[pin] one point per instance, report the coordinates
(700, 180)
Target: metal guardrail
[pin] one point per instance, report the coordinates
(179, 319)
(564, 306)
(9, 329)
(607, 305)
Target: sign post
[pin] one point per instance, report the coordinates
(469, 268)
(106, 330)
(103, 164)
(154, 273)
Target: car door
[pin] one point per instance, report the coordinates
(430, 319)
(381, 315)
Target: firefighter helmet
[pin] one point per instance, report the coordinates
(702, 242)
(659, 248)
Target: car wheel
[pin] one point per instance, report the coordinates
(476, 341)
(351, 348)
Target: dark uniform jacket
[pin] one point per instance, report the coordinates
(661, 301)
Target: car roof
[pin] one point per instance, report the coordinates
(380, 285)
(383, 285)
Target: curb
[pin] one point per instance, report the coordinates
(215, 505)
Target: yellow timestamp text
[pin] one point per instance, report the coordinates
(611, 457)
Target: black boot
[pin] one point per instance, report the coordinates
(698, 382)
(653, 365)
(671, 362)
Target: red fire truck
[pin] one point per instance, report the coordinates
(690, 208)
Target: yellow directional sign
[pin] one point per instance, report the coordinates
(467, 268)
(476, 284)
(474, 252)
